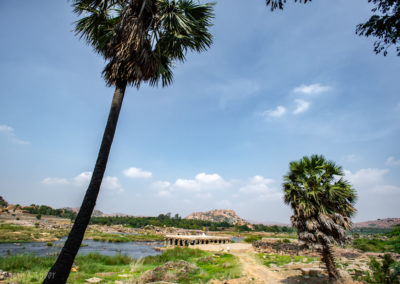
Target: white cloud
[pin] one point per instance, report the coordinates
(351, 158)
(372, 180)
(112, 184)
(302, 106)
(234, 91)
(50, 181)
(278, 112)
(109, 183)
(137, 173)
(82, 179)
(312, 89)
(391, 161)
(202, 181)
(9, 132)
(203, 195)
(161, 184)
(6, 128)
(223, 203)
(164, 194)
(366, 178)
(262, 187)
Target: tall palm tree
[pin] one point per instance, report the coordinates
(140, 40)
(322, 203)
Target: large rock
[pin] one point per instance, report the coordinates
(311, 271)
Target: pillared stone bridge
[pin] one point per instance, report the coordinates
(185, 240)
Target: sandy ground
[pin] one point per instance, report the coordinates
(255, 272)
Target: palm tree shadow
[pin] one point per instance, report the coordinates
(301, 280)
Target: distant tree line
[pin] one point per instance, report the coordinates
(3, 203)
(47, 210)
(178, 222)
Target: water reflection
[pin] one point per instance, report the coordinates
(132, 249)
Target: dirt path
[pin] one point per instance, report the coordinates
(253, 271)
(256, 272)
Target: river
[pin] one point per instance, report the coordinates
(132, 249)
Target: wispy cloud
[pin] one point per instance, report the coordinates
(201, 185)
(202, 181)
(235, 91)
(9, 132)
(110, 184)
(312, 89)
(370, 179)
(137, 173)
(263, 187)
(274, 113)
(391, 161)
(51, 181)
(301, 106)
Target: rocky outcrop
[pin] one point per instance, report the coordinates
(380, 223)
(218, 215)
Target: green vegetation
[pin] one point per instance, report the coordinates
(386, 272)
(15, 233)
(120, 238)
(178, 222)
(47, 210)
(370, 231)
(279, 260)
(253, 238)
(160, 221)
(3, 203)
(205, 265)
(209, 266)
(389, 242)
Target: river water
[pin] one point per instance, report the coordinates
(132, 249)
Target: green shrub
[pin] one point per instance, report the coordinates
(251, 239)
(387, 272)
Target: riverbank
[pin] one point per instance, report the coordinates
(180, 265)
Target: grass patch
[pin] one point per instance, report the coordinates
(377, 245)
(10, 233)
(207, 266)
(279, 260)
(121, 238)
(210, 266)
(252, 238)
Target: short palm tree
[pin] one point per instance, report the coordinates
(140, 40)
(322, 203)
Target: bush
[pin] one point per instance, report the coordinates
(251, 239)
(387, 272)
(38, 216)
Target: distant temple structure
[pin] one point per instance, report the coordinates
(178, 240)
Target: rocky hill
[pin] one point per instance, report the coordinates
(380, 223)
(218, 215)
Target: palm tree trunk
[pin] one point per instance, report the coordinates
(327, 258)
(60, 271)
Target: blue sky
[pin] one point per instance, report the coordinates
(273, 88)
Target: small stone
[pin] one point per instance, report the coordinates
(93, 280)
(123, 276)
